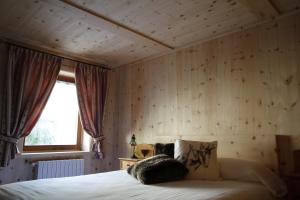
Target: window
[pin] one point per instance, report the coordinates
(58, 127)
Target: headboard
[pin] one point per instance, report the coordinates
(288, 161)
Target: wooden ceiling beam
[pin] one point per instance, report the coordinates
(263, 9)
(115, 23)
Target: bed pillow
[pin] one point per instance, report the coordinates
(200, 158)
(157, 169)
(229, 166)
(168, 149)
(243, 170)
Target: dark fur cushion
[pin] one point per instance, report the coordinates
(158, 169)
(167, 149)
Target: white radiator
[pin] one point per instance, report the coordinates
(59, 168)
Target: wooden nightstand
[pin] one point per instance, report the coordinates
(127, 162)
(293, 184)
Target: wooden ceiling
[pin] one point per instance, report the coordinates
(118, 32)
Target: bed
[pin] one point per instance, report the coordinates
(118, 185)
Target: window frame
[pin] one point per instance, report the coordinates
(52, 148)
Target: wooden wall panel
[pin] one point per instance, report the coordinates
(240, 89)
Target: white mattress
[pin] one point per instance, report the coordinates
(119, 185)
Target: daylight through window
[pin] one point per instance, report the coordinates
(58, 124)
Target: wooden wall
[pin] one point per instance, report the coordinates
(239, 89)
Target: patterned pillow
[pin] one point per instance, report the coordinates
(200, 158)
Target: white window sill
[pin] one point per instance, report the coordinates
(52, 153)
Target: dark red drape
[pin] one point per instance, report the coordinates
(91, 84)
(29, 80)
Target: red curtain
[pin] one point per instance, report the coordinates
(91, 84)
(29, 79)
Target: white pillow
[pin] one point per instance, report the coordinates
(200, 158)
(242, 170)
(236, 169)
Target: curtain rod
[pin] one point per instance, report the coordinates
(52, 53)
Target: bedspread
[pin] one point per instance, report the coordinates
(118, 185)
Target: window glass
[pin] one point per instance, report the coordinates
(59, 120)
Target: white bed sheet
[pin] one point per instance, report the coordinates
(118, 185)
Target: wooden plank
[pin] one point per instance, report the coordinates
(115, 23)
(59, 27)
(122, 32)
(175, 23)
(286, 6)
(263, 9)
